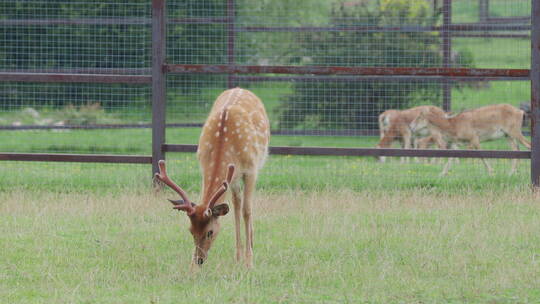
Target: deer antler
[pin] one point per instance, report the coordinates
(162, 176)
(230, 173)
(218, 194)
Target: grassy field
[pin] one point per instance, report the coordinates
(327, 229)
(310, 247)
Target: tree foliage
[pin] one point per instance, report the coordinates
(356, 104)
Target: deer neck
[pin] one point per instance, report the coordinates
(215, 150)
(443, 124)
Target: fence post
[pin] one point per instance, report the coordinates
(535, 94)
(447, 53)
(483, 10)
(231, 38)
(158, 82)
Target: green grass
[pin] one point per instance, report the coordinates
(310, 247)
(465, 11)
(327, 229)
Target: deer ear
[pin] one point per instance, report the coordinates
(220, 210)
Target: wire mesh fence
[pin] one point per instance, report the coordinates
(306, 110)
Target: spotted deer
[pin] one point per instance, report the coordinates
(394, 126)
(475, 126)
(233, 146)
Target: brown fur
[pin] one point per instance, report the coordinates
(232, 147)
(477, 125)
(394, 126)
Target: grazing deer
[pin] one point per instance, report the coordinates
(233, 146)
(474, 126)
(394, 125)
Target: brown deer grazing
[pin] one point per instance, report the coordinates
(474, 126)
(233, 146)
(394, 125)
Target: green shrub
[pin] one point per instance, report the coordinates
(355, 104)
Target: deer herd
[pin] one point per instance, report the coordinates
(233, 146)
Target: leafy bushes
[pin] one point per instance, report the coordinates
(355, 104)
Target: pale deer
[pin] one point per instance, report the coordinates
(475, 126)
(394, 125)
(233, 146)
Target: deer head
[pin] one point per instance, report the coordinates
(419, 123)
(204, 217)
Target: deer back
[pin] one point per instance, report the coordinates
(236, 132)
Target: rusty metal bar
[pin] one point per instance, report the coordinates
(465, 27)
(96, 127)
(226, 20)
(105, 71)
(334, 70)
(81, 158)
(81, 21)
(313, 78)
(89, 78)
(489, 35)
(447, 53)
(210, 20)
(158, 81)
(107, 21)
(513, 19)
(323, 151)
(535, 94)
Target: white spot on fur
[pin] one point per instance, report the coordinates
(217, 134)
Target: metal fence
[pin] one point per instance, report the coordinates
(327, 68)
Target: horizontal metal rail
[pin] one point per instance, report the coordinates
(109, 21)
(494, 24)
(323, 151)
(361, 132)
(87, 78)
(107, 71)
(81, 158)
(463, 27)
(411, 78)
(509, 19)
(336, 70)
(96, 127)
(72, 21)
(350, 132)
(490, 35)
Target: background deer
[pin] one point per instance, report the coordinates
(394, 125)
(474, 126)
(233, 147)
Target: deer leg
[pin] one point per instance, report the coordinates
(249, 188)
(406, 145)
(237, 203)
(515, 146)
(475, 144)
(446, 167)
(448, 162)
(517, 135)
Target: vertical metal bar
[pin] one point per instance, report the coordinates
(535, 94)
(158, 82)
(231, 37)
(447, 53)
(483, 10)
